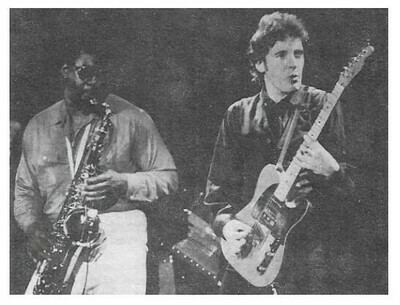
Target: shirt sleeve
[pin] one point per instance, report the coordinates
(156, 175)
(28, 203)
(225, 176)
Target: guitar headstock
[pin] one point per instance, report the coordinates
(354, 66)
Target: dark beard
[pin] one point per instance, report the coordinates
(89, 101)
(90, 104)
(85, 102)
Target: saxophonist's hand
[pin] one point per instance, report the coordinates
(104, 185)
(38, 242)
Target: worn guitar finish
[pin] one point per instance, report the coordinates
(269, 215)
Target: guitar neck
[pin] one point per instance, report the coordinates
(289, 177)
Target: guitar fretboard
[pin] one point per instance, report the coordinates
(289, 177)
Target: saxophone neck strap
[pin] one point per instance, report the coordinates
(74, 165)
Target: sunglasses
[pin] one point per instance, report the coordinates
(86, 73)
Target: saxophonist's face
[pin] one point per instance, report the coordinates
(81, 79)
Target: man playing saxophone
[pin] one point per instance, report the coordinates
(135, 167)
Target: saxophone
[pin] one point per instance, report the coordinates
(77, 226)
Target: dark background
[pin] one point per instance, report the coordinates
(185, 67)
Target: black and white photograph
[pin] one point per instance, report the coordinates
(198, 151)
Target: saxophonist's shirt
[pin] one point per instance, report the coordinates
(133, 147)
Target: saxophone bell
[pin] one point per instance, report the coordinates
(81, 226)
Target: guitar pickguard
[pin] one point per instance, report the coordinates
(260, 258)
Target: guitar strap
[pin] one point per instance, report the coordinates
(297, 101)
(286, 137)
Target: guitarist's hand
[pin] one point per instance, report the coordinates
(313, 156)
(235, 232)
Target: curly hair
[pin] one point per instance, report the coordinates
(272, 28)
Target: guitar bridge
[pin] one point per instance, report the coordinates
(262, 268)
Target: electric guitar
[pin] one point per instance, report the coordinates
(269, 214)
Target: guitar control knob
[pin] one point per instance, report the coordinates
(261, 270)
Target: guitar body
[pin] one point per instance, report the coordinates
(260, 259)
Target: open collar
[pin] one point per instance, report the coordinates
(279, 108)
(59, 116)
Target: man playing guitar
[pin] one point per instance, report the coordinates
(251, 136)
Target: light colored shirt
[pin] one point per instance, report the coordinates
(134, 147)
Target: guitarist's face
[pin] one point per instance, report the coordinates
(283, 66)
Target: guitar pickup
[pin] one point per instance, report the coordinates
(268, 219)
